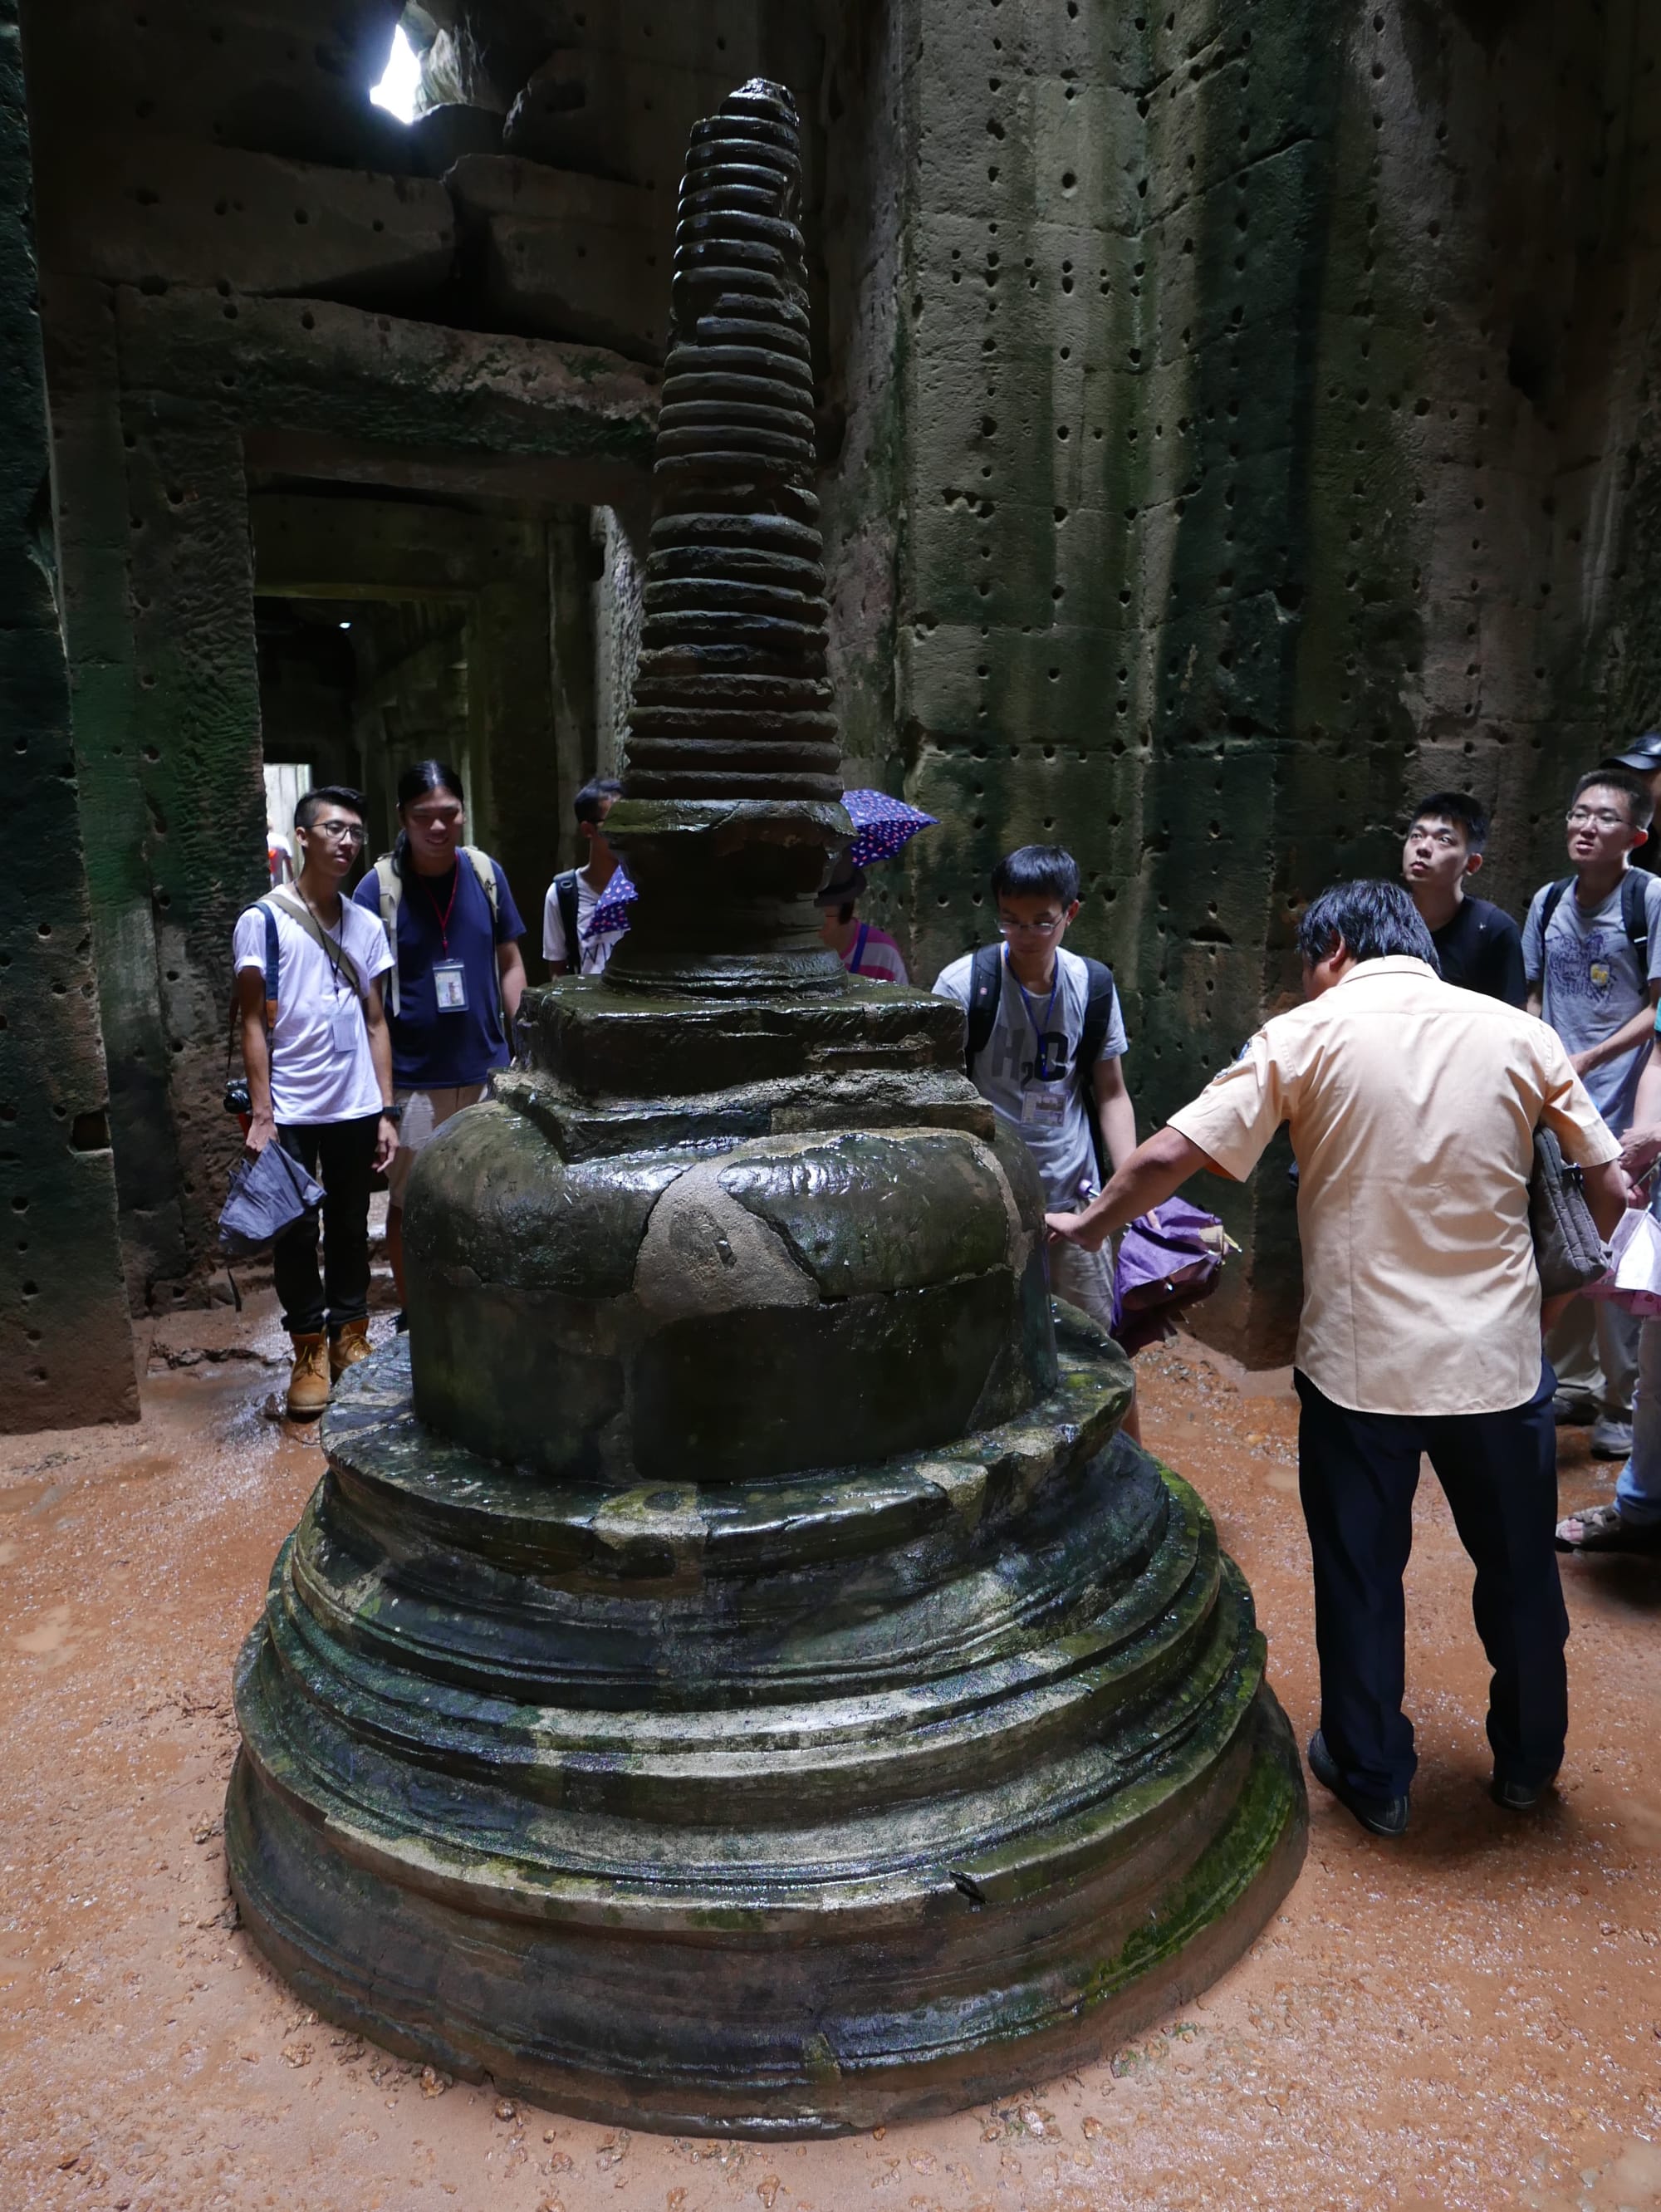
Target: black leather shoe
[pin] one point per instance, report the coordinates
(1518, 1796)
(1379, 1816)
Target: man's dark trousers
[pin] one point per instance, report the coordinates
(1357, 1473)
(341, 1155)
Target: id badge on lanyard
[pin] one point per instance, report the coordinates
(449, 982)
(1045, 1094)
(1044, 1105)
(345, 1020)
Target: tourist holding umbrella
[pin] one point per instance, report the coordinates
(883, 825)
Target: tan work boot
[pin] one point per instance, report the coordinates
(308, 1384)
(351, 1346)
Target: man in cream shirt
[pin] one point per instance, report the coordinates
(1412, 1108)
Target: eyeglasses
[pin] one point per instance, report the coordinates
(1600, 817)
(1031, 929)
(344, 833)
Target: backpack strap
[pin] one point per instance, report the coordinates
(269, 979)
(298, 912)
(859, 944)
(985, 989)
(1635, 918)
(485, 869)
(390, 885)
(565, 897)
(1098, 1018)
(1554, 900)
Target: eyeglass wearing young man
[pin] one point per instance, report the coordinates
(329, 843)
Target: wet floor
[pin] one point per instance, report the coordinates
(1471, 2017)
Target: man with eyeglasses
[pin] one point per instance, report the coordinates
(1592, 946)
(319, 1064)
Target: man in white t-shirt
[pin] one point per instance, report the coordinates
(572, 898)
(320, 1081)
(1051, 1006)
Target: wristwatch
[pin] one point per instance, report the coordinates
(393, 1114)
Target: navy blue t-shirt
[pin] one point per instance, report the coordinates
(433, 1051)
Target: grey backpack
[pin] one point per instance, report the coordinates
(1567, 1249)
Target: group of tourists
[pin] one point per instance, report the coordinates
(1413, 1079)
(1434, 1040)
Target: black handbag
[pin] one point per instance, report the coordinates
(1567, 1250)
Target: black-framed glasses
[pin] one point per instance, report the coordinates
(343, 833)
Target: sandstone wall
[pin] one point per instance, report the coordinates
(1234, 417)
(251, 282)
(65, 1343)
(1272, 434)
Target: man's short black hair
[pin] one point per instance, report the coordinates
(1459, 807)
(588, 805)
(1640, 807)
(1037, 872)
(1373, 921)
(327, 794)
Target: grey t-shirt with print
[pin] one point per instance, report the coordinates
(1592, 982)
(1059, 1139)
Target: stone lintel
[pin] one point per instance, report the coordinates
(318, 370)
(498, 184)
(135, 208)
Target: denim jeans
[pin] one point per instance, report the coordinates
(1638, 1492)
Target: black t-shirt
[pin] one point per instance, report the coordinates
(1482, 950)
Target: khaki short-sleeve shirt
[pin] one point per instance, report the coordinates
(1412, 1108)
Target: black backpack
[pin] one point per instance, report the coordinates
(564, 899)
(986, 988)
(1635, 913)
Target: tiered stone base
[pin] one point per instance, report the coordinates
(778, 1808)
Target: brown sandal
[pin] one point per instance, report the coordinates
(1603, 1529)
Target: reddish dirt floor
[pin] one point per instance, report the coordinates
(1471, 2017)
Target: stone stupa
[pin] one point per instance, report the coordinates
(734, 1676)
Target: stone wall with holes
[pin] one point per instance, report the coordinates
(66, 1352)
(1234, 417)
(1274, 437)
(254, 282)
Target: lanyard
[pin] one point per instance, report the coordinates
(443, 919)
(338, 935)
(1039, 1033)
(859, 948)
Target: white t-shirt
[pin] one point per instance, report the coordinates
(321, 1070)
(596, 950)
(1047, 1113)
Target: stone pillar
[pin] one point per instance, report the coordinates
(95, 532)
(194, 728)
(66, 1353)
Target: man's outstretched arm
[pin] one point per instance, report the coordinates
(1151, 1174)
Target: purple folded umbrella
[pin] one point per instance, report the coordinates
(1168, 1259)
(884, 825)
